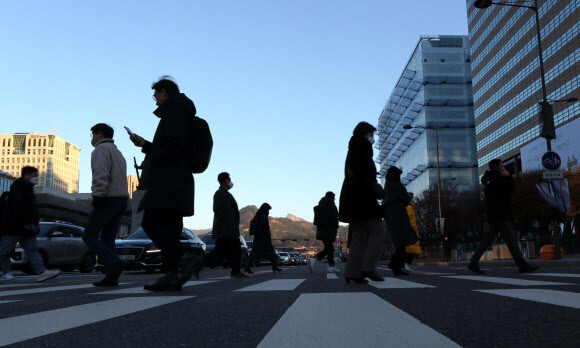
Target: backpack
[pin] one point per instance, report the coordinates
(252, 227)
(202, 146)
(316, 216)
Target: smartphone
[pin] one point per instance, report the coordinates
(129, 131)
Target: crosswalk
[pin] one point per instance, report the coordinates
(366, 310)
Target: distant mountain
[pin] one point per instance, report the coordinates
(292, 229)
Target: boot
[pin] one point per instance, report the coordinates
(169, 282)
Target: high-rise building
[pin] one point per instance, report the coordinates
(132, 183)
(433, 90)
(6, 181)
(56, 159)
(506, 73)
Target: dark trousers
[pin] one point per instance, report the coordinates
(165, 231)
(327, 251)
(504, 228)
(409, 258)
(399, 257)
(367, 241)
(229, 248)
(105, 221)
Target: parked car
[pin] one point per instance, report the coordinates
(140, 253)
(302, 261)
(211, 260)
(61, 246)
(284, 258)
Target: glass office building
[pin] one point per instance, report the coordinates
(506, 74)
(433, 90)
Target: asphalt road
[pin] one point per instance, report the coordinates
(433, 307)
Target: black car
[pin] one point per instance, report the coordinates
(140, 253)
(211, 260)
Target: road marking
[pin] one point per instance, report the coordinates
(275, 285)
(394, 283)
(250, 275)
(331, 276)
(140, 290)
(555, 297)
(25, 327)
(47, 289)
(1, 302)
(509, 281)
(366, 320)
(565, 275)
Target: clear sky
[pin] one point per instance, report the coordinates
(282, 83)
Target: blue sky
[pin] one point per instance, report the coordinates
(282, 83)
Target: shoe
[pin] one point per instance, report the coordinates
(475, 268)
(48, 274)
(188, 267)
(333, 270)
(529, 269)
(239, 275)
(7, 276)
(311, 264)
(107, 282)
(372, 276)
(276, 269)
(356, 280)
(408, 267)
(249, 271)
(169, 282)
(396, 270)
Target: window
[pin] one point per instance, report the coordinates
(442, 60)
(425, 60)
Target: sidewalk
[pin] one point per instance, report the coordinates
(573, 260)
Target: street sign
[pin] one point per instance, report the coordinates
(553, 174)
(551, 161)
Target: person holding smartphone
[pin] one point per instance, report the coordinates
(169, 195)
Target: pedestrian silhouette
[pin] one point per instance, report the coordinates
(20, 225)
(326, 221)
(110, 196)
(262, 247)
(359, 206)
(170, 185)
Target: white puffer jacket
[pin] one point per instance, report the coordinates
(109, 170)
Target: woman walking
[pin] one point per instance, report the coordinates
(398, 225)
(414, 249)
(262, 246)
(359, 207)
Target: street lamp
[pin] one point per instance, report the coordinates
(547, 114)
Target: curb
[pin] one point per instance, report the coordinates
(507, 263)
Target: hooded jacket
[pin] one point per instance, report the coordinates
(360, 190)
(498, 189)
(170, 182)
(326, 219)
(109, 171)
(21, 209)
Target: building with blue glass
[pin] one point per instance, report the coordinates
(506, 74)
(6, 181)
(434, 90)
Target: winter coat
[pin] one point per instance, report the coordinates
(360, 190)
(498, 189)
(262, 244)
(326, 219)
(21, 209)
(226, 219)
(109, 171)
(170, 182)
(398, 225)
(414, 248)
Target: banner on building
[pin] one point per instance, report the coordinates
(566, 144)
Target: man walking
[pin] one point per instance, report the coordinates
(226, 226)
(326, 221)
(498, 187)
(20, 225)
(169, 196)
(110, 195)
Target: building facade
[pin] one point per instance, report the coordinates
(506, 74)
(6, 181)
(56, 159)
(132, 183)
(433, 90)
